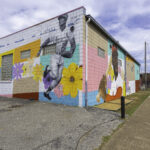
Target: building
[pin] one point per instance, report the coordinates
(145, 79)
(70, 59)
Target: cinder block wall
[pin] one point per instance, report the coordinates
(96, 65)
(106, 75)
(55, 77)
(133, 76)
(59, 76)
(115, 73)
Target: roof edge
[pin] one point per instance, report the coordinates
(40, 22)
(111, 37)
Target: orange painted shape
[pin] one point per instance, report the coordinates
(118, 95)
(33, 46)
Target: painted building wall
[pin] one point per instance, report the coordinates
(137, 77)
(60, 77)
(106, 76)
(56, 77)
(130, 85)
(96, 65)
(115, 74)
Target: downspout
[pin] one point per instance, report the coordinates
(86, 63)
(125, 74)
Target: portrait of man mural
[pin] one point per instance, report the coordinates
(53, 72)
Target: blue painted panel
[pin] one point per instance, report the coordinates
(75, 57)
(91, 99)
(45, 60)
(66, 100)
(121, 54)
(137, 72)
(109, 48)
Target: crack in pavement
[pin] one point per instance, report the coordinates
(56, 143)
(86, 133)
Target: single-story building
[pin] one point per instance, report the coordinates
(69, 59)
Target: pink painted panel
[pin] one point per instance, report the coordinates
(7, 95)
(97, 67)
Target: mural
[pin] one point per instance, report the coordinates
(17, 71)
(44, 75)
(115, 86)
(131, 85)
(112, 85)
(114, 75)
(49, 64)
(72, 80)
(53, 71)
(102, 89)
(28, 68)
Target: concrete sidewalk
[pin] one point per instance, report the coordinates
(135, 133)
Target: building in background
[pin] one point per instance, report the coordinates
(142, 80)
(70, 59)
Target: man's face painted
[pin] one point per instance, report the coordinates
(62, 23)
(115, 62)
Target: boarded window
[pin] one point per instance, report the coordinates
(119, 62)
(7, 63)
(25, 54)
(101, 52)
(49, 49)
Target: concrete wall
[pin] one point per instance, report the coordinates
(133, 76)
(96, 65)
(106, 76)
(55, 78)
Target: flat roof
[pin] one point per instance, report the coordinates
(111, 38)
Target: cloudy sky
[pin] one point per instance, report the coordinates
(128, 21)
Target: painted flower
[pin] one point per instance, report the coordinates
(110, 70)
(72, 80)
(47, 80)
(24, 69)
(58, 91)
(28, 67)
(17, 71)
(37, 72)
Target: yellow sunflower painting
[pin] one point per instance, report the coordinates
(72, 80)
(37, 72)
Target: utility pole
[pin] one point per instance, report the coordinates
(145, 68)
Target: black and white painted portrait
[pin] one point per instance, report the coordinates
(53, 71)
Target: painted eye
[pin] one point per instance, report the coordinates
(72, 29)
